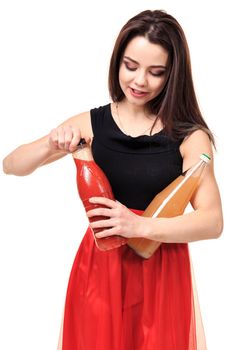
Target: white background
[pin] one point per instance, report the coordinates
(54, 64)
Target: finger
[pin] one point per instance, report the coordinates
(99, 212)
(88, 140)
(53, 138)
(61, 138)
(105, 201)
(75, 140)
(106, 233)
(101, 224)
(68, 137)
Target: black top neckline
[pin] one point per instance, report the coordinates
(111, 136)
(117, 128)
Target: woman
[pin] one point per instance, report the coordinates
(150, 132)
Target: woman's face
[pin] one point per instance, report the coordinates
(143, 70)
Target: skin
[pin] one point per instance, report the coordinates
(142, 75)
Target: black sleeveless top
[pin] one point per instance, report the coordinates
(137, 167)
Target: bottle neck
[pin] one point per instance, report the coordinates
(204, 160)
(196, 170)
(83, 152)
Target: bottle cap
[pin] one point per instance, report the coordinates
(82, 142)
(205, 157)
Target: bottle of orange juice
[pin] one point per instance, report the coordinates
(170, 202)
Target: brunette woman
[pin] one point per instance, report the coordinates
(151, 131)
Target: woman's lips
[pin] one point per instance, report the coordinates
(138, 93)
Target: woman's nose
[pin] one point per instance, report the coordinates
(140, 78)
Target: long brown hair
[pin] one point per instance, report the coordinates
(176, 105)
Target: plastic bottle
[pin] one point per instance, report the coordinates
(92, 182)
(170, 202)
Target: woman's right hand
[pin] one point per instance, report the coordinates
(59, 142)
(64, 138)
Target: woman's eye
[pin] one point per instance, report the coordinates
(133, 68)
(157, 74)
(130, 67)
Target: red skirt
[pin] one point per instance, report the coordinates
(117, 300)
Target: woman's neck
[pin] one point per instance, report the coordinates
(134, 121)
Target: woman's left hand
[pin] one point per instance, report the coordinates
(121, 221)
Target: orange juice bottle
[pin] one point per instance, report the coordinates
(170, 202)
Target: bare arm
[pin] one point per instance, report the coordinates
(205, 222)
(58, 143)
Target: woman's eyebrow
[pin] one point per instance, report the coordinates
(153, 66)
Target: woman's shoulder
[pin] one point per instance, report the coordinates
(196, 137)
(101, 118)
(101, 112)
(84, 121)
(193, 145)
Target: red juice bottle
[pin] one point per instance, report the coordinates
(92, 182)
